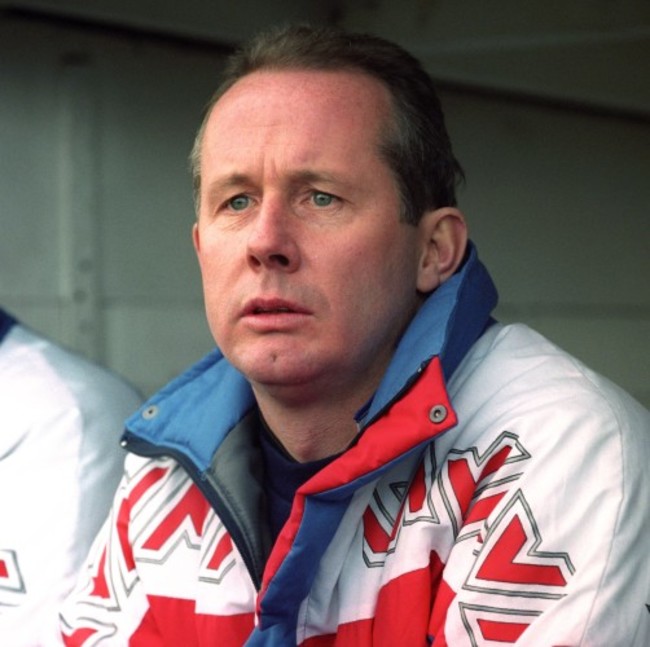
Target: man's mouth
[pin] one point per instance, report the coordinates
(260, 310)
(272, 307)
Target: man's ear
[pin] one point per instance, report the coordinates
(196, 239)
(443, 240)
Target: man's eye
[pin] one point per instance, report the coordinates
(239, 202)
(322, 199)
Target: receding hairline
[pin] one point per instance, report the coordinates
(390, 116)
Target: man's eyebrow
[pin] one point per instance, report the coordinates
(229, 181)
(303, 176)
(215, 188)
(309, 176)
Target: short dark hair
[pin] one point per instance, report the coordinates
(417, 146)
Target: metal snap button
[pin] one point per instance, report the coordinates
(438, 413)
(150, 412)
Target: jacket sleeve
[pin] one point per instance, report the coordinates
(552, 545)
(60, 462)
(108, 605)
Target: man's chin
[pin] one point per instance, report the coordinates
(275, 369)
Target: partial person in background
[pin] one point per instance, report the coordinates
(369, 459)
(60, 462)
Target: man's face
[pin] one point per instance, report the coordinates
(309, 275)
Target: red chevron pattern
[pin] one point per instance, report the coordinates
(500, 564)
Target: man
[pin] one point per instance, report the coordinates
(368, 459)
(60, 462)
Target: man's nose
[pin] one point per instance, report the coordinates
(272, 243)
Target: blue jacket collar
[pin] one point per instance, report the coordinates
(447, 324)
(196, 411)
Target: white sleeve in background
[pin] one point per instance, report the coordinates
(60, 462)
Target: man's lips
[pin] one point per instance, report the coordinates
(274, 306)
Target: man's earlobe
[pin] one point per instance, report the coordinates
(443, 236)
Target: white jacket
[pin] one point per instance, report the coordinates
(60, 462)
(507, 504)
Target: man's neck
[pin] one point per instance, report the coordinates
(311, 431)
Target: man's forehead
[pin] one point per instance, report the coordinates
(299, 121)
(346, 86)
